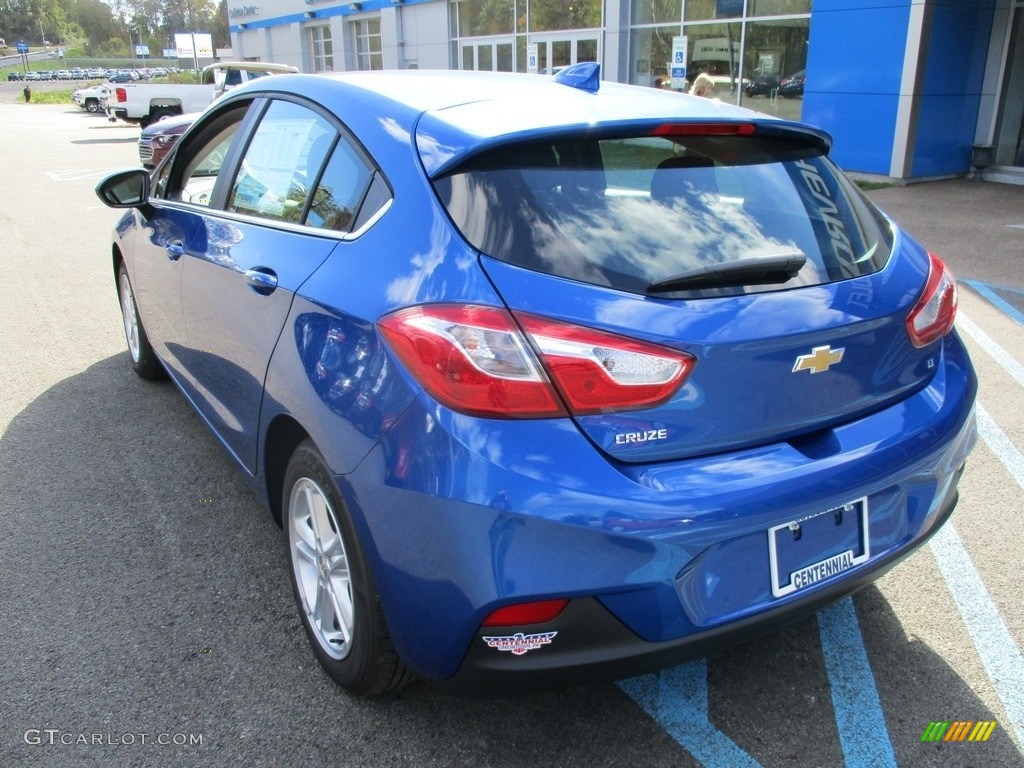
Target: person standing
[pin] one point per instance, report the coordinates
(703, 86)
(28, 93)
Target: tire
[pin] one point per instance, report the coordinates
(161, 113)
(332, 584)
(144, 359)
(92, 105)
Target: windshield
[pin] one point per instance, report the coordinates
(635, 212)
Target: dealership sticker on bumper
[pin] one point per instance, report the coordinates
(519, 643)
(813, 548)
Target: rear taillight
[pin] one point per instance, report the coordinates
(705, 129)
(525, 613)
(472, 359)
(122, 94)
(599, 372)
(477, 361)
(934, 313)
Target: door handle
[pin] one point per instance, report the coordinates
(175, 250)
(262, 280)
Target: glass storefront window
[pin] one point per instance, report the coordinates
(476, 18)
(484, 58)
(747, 59)
(586, 50)
(776, 53)
(1010, 125)
(369, 52)
(322, 48)
(504, 57)
(779, 7)
(657, 11)
(650, 53)
(557, 15)
(708, 50)
(706, 10)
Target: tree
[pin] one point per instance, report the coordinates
(219, 26)
(97, 24)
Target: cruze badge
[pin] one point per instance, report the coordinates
(519, 643)
(645, 436)
(819, 360)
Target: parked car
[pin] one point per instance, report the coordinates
(121, 77)
(546, 379)
(14, 76)
(762, 85)
(91, 99)
(31, 75)
(147, 103)
(156, 139)
(792, 87)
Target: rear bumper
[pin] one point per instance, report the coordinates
(591, 645)
(662, 562)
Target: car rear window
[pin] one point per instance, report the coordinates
(630, 212)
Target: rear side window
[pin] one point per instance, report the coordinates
(281, 163)
(297, 168)
(631, 212)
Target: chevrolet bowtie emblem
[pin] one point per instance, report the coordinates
(820, 359)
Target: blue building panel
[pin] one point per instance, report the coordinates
(958, 48)
(944, 135)
(862, 125)
(857, 51)
(854, 69)
(947, 112)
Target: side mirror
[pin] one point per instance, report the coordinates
(125, 189)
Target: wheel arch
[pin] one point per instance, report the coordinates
(166, 105)
(283, 436)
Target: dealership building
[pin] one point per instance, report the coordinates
(911, 90)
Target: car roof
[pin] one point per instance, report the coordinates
(455, 115)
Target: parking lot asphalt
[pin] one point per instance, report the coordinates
(147, 618)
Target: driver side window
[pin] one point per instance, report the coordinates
(201, 174)
(192, 174)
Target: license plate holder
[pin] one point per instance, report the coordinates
(810, 549)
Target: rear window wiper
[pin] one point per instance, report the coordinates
(754, 270)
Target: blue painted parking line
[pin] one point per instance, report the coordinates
(863, 734)
(1001, 445)
(677, 699)
(997, 301)
(999, 653)
(987, 343)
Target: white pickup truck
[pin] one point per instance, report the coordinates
(145, 103)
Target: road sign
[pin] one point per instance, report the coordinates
(22, 46)
(677, 67)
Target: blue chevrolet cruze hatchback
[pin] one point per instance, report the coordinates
(545, 379)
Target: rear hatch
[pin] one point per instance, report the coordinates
(738, 244)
